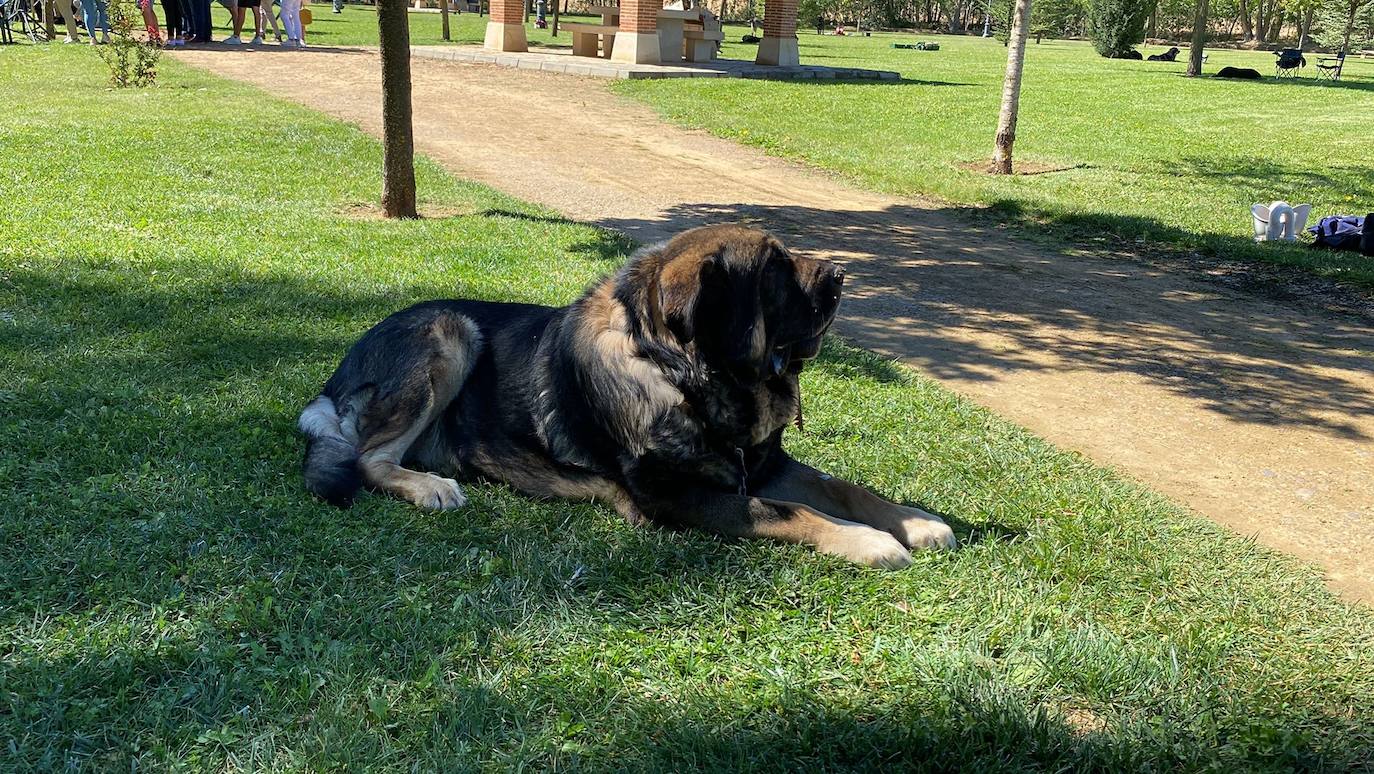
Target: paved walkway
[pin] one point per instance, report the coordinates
(552, 60)
(1254, 410)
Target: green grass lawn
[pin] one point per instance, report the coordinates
(181, 268)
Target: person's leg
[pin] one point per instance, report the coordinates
(235, 21)
(188, 22)
(338, 6)
(204, 30)
(171, 14)
(90, 14)
(103, 19)
(269, 17)
(149, 21)
(290, 19)
(69, 9)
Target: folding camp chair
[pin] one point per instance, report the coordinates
(1329, 67)
(21, 16)
(1288, 62)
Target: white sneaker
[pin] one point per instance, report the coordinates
(288, 43)
(257, 41)
(69, 39)
(232, 40)
(105, 37)
(300, 44)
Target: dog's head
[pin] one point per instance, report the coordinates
(752, 309)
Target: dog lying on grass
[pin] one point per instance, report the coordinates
(664, 391)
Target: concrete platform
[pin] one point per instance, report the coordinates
(558, 61)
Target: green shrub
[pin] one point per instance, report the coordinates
(132, 61)
(1117, 25)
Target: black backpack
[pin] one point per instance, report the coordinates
(1345, 232)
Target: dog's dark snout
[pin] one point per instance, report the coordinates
(838, 276)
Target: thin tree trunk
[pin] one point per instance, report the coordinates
(1199, 38)
(1349, 26)
(398, 142)
(443, 15)
(1246, 30)
(1011, 88)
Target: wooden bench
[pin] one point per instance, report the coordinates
(702, 44)
(587, 37)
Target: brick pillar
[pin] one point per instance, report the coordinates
(637, 40)
(506, 26)
(779, 44)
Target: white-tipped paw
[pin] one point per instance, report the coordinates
(440, 494)
(919, 529)
(867, 546)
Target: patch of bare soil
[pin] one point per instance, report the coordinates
(1251, 404)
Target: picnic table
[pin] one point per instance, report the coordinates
(680, 33)
(596, 39)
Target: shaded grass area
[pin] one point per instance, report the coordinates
(1149, 159)
(170, 598)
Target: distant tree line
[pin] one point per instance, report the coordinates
(1337, 24)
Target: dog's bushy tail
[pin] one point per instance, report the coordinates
(331, 454)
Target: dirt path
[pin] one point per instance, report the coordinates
(1256, 411)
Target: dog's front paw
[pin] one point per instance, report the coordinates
(440, 494)
(867, 546)
(919, 529)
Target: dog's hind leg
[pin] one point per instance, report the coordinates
(439, 351)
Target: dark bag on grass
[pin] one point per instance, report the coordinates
(1345, 232)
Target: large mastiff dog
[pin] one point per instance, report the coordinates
(664, 390)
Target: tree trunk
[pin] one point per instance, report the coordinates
(1011, 88)
(1350, 25)
(443, 15)
(1199, 38)
(398, 142)
(1246, 31)
(1305, 26)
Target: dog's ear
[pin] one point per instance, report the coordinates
(680, 285)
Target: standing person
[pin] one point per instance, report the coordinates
(250, 7)
(171, 12)
(235, 22)
(96, 14)
(200, 22)
(338, 6)
(268, 15)
(149, 21)
(291, 20)
(50, 13)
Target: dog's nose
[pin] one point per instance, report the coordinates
(839, 276)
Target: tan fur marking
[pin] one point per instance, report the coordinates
(853, 541)
(912, 526)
